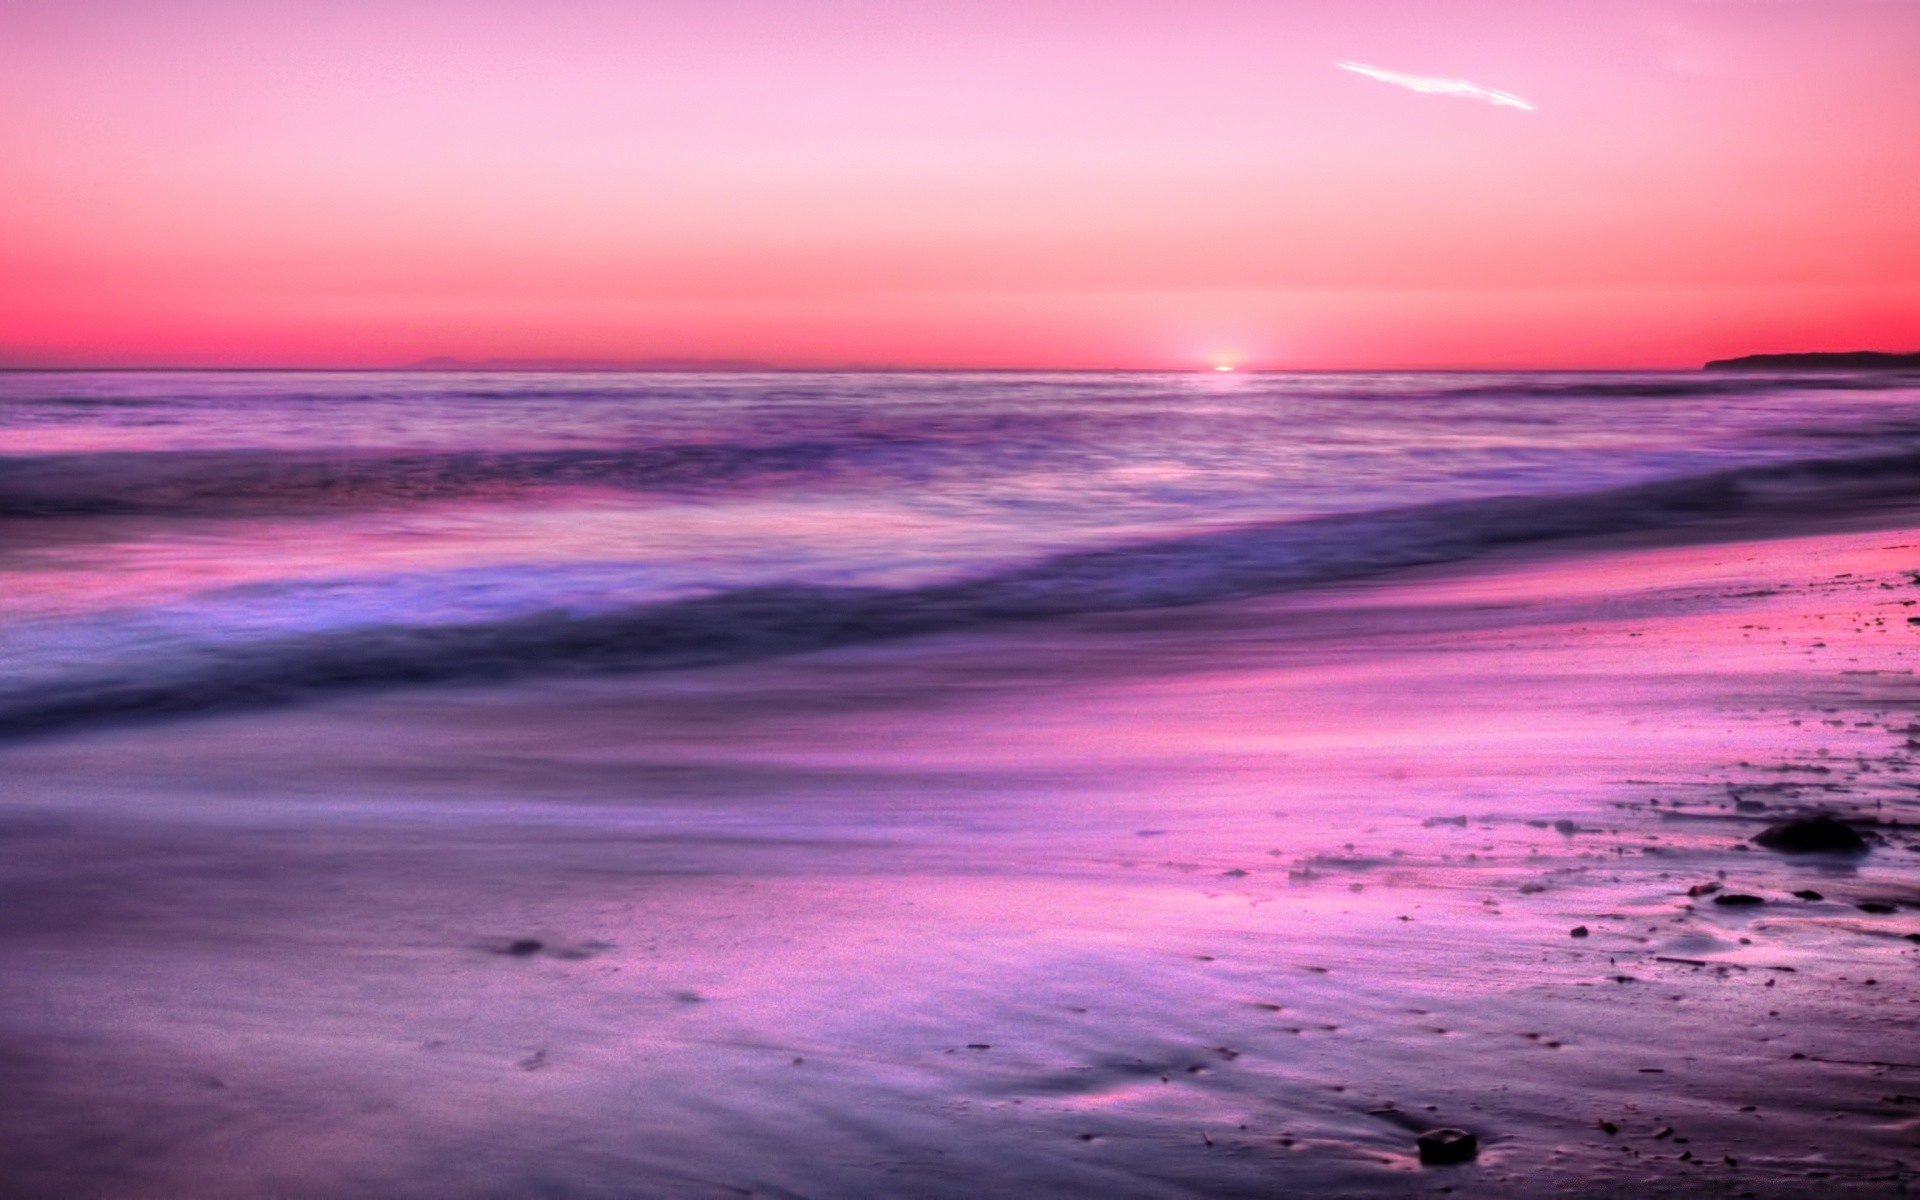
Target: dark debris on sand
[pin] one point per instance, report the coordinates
(1445, 1147)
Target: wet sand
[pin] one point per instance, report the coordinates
(1214, 901)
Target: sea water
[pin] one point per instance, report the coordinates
(183, 542)
(926, 784)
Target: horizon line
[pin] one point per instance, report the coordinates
(668, 365)
(849, 369)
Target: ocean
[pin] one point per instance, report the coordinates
(185, 543)
(902, 784)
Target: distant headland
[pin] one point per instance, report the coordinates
(1825, 360)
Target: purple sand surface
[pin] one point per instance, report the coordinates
(1222, 901)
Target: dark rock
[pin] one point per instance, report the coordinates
(1874, 906)
(524, 947)
(1577, 931)
(1812, 835)
(1737, 900)
(1445, 1147)
(1609, 1128)
(1809, 894)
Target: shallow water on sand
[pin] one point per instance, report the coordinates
(461, 785)
(1227, 899)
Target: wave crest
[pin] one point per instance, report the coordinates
(768, 621)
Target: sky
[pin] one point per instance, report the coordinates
(957, 183)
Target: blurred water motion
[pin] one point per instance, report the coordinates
(581, 786)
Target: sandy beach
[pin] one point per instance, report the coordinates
(1318, 872)
(857, 600)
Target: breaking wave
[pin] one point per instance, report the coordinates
(761, 622)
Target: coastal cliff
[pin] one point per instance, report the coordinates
(1851, 360)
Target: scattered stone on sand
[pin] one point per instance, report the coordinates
(1812, 835)
(524, 947)
(1577, 931)
(1565, 828)
(1445, 1147)
(1703, 889)
(1737, 900)
(1809, 894)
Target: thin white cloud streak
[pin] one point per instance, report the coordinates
(1438, 87)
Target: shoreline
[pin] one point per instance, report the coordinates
(1178, 573)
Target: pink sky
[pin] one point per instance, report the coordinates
(1049, 183)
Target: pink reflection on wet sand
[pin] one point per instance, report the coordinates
(1197, 900)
